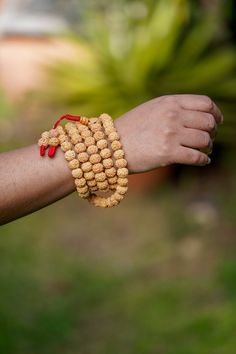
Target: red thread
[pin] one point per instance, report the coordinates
(66, 116)
(42, 150)
(52, 149)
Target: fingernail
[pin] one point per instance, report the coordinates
(208, 161)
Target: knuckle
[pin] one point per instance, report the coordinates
(211, 122)
(206, 140)
(169, 132)
(198, 158)
(171, 114)
(207, 102)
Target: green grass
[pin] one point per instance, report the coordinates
(147, 277)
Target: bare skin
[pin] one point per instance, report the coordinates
(163, 131)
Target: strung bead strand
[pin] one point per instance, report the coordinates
(85, 150)
(75, 159)
(94, 154)
(119, 174)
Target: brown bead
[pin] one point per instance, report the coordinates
(66, 146)
(100, 177)
(80, 147)
(122, 181)
(95, 127)
(113, 200)
(84, 195)
(83, 157)
(72, 131)
(122, 172)
(45, 135)
(86, 133)
(118, 196)
(105, 153)
(108, 163)
(81, 182)
(121, 163)
(69, 155)
(69, 126)
(105, 118)
(89, 141)
(121, 189)
(99, 135)
(77, 173)
(93, 120)
(102, 144)
(73, 164)
(89, 175)
(60, 130)
(76, 138)
(86, 166)
(62, 138)
(93, 189)
(112, 180)
(97, 167)
(110, 172)
(118, 154)
(116, 145)
(101, 202)
(95, 158)
(53, 141)
(43, 141)
(103, 185)
(82, 190)
(91, 183)
(81, 127)
(92, 149)
(53, 133)
(110, 129)
(109, 203)
(113, 136)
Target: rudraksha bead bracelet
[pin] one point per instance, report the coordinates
(94, 154)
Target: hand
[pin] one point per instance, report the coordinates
(168, 130)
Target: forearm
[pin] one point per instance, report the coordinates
(29, 182)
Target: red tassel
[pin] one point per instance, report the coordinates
(52, 151)
(42, 150)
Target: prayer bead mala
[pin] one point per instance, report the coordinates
(94, 154)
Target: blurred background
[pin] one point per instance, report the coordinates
(156, 275)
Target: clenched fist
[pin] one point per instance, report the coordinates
(168, 130)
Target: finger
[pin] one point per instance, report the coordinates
(200, 120)
(190, 156)
(200, 103)
(197, 139)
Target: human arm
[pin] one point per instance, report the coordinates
(163, 131)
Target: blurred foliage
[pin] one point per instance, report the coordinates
(145, 278)
(156, 275)
(6, 108)
(140, 50)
